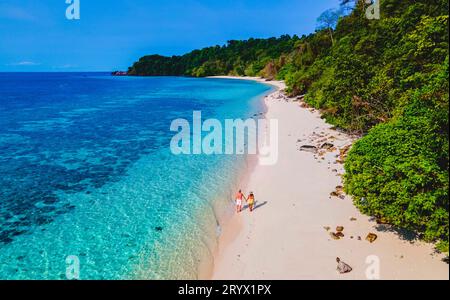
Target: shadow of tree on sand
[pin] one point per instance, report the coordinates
(405, 235)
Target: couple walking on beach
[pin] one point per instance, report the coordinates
(240, 198)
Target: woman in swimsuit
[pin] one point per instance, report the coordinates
(251, 201)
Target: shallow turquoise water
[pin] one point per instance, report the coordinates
(87, 172)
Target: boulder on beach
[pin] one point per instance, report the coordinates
(343, 153)
(340, 228)
(339, 192)
(334, 236)
(327, 146)
(371, 237)
(308, 148)
(342, 267)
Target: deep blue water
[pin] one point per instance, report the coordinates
(86, 170)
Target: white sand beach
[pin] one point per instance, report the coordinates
(288, 235)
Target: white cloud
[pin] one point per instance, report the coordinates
(25, 63)
(15, 13)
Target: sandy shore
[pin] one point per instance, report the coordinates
(288, 236)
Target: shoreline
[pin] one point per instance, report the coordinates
(224, 219)
(289, 236)
(227, 221)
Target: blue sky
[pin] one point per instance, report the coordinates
(110, 35)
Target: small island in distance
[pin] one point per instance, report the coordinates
(119, 73)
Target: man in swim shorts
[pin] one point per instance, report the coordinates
(239, 199)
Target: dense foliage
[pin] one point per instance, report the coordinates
(386, 79)
(236, 58)
(399, 170)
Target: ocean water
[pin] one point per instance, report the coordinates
(87, 172)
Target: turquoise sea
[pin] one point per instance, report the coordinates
(87, 172)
